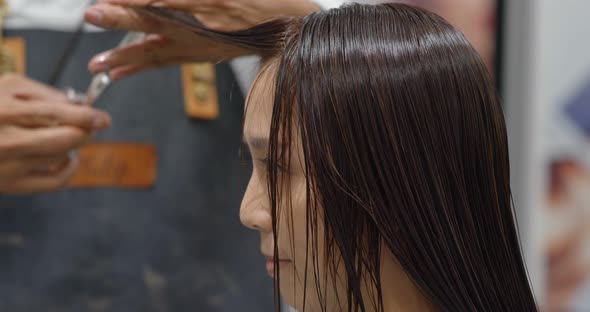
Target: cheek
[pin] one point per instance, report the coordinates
(291, 241)
(293, 220)
(293, 236)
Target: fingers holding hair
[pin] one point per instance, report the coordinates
(188, 5)
(117, 17)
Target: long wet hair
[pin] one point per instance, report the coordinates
(405, 148)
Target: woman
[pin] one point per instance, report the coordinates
(381, 176)
(381, 166)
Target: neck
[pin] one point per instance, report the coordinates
(399, 292)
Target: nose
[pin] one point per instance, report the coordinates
(255, 210)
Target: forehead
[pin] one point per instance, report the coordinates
(259, 104)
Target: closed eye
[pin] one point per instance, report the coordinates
(265, 162)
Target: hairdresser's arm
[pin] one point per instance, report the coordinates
(169, 44)
(38, 128)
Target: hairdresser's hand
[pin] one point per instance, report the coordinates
(170, 44)
(38, 129)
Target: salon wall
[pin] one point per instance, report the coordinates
(547, 96)
(475, 18)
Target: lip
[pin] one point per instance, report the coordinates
(270, 265)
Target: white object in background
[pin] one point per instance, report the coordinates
(328, 4)
(60, 15)
(524, 120)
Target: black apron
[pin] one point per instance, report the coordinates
(176, 247)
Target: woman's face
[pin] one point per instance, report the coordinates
(296, 256)
(255, 211)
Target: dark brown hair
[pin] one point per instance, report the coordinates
(405, 146)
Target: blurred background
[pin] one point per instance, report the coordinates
(539, 54)
(545, 82)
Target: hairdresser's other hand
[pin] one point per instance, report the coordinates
(170, 44)
(38, 129)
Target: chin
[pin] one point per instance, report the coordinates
(292, 292)
(288, 292)
(294, 297)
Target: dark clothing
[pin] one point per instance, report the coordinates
(176, 247)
